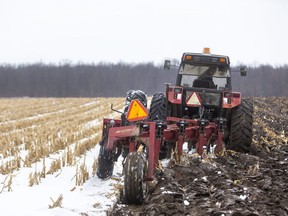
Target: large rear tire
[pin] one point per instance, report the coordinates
(241, 127)
(105, 161)
(158, 108)
(134, 187)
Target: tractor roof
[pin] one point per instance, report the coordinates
(204, 64)
(205, 58)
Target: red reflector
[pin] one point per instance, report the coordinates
(236, 95)
(232, 95)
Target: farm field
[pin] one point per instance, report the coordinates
(49, 149)
(254, 184)
(48, 156)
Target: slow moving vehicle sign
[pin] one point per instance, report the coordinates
(136, 111)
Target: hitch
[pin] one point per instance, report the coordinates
(116, 110)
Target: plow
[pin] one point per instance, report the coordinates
(200, 110)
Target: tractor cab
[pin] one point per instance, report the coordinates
(203, 70)
(203, 80)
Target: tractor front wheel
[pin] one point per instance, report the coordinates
(134, 186)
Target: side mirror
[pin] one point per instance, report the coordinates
(243, 71)
(167, 64)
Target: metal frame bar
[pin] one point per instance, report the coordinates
(178, 130)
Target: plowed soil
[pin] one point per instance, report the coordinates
(232, 184)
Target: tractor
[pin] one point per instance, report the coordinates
(200, 110)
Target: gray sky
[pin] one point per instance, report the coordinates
(249, 31)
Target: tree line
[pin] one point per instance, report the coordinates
(114, 80)
(263, 80)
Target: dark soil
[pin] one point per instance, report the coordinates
(232, 184)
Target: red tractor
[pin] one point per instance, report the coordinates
(200, 110)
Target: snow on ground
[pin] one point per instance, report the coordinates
(95, 197)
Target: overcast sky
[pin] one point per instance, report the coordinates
(51, 31)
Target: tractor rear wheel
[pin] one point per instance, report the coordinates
(105, 161)
(158, 108)
(134, 186)
(241, 127)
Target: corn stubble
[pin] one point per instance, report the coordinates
(32, 130)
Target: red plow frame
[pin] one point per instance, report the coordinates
(153, 134)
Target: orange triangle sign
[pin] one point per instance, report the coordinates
(194, 100)
(136, 111)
